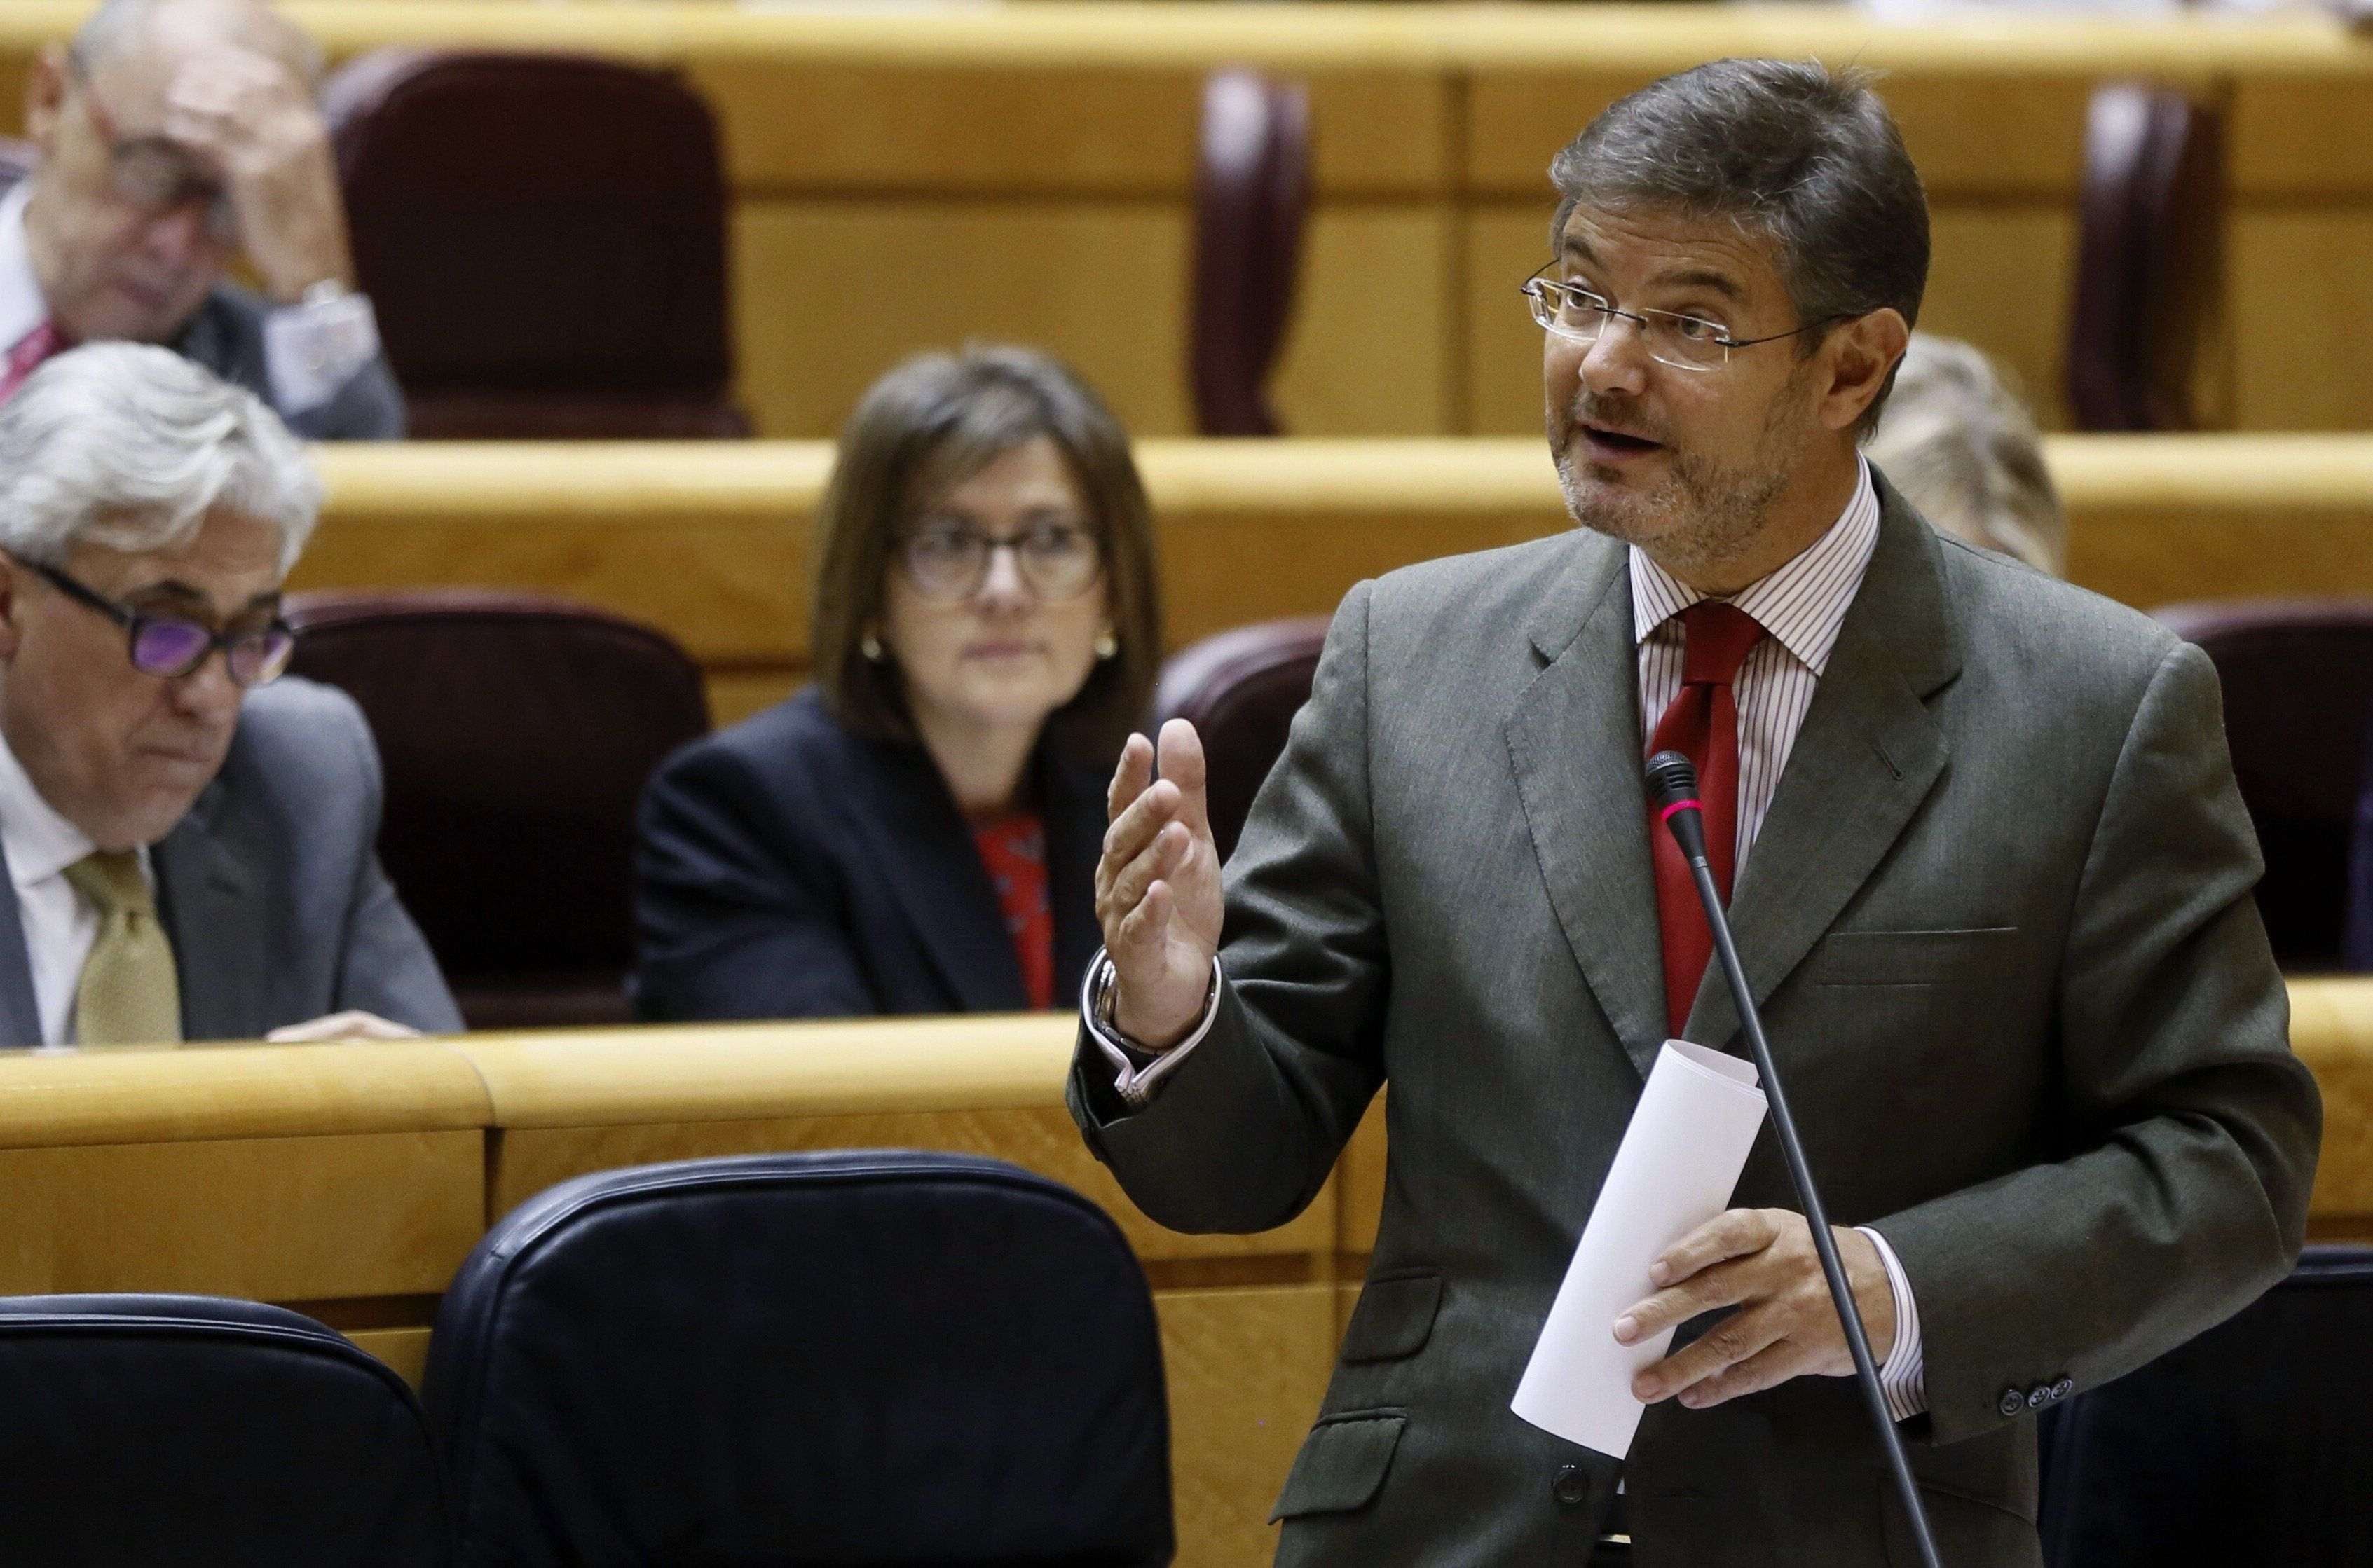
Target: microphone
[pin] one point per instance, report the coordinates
(1672, 788)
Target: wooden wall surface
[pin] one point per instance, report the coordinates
(716, 553)
(350, 1182)
(906, 178)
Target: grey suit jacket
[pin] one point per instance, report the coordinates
(270, 890)
(1999, 917)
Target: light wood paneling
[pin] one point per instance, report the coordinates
(2005, 278)
(272, 1219)
(2332, 1030)
(1360, 1183)
(405, 1350)
(1504, 245)
(1370, 350)
(531, 1159)
(2299, 137)
(1247, 1369)
(2300, 298)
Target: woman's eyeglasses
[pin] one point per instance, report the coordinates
(949, 561)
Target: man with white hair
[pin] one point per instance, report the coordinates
(188, 843)
(171, 137)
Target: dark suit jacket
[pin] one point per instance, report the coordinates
(270, 890)
(226, 337)
(1999, 920)
(791, 869)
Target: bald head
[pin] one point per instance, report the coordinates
(172, 30)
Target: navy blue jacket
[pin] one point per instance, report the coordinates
(787, 869)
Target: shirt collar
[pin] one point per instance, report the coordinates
(39, 841)
(1802, 605)
(22, 309)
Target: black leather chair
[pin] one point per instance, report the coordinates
(1252, 194)
(2248, 1447)
(516, 733)
(1241, 688)
(2356, 920)
(852, 1358)
(140, 1430)
(2298, 676)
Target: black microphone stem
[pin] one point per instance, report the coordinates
(1801, 1173)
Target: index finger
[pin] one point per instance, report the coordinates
(1131, 776)
(1735, 1233)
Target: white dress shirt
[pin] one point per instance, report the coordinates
(310, 350)
(59, 924)
(1802, 607)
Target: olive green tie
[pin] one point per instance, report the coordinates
(129, 993)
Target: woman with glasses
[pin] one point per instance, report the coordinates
(917, 831)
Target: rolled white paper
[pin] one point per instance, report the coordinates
(1676, 1167)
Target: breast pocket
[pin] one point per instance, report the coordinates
(1969, 957)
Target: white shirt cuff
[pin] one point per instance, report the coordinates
(1133, 1083)
(312, 350)
(1904, 1376)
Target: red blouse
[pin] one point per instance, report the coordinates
(1013, 847)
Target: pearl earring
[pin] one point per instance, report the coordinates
(871, 646)
(1106, 644)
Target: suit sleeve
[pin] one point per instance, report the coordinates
(386, 967)
(736, 906)
(2193, 1127)
(368, 407)
(1245, 1131)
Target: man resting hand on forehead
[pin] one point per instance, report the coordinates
(173, 137)
(188, 839)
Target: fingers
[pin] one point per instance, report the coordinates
(1704, 1274)
(1767, 1368)
(1136, 879)
(1183, 764)
(1736, 1233)
(1129, 778)
(1733, 1340)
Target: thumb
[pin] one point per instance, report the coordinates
(1183, 764)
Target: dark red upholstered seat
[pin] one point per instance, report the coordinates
(516, 733)
(2149, 258)
(1241, 688)
(2298, 686)
(543, 238)
(1252, 191)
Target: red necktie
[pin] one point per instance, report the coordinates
(1702, 724)
(26, 357)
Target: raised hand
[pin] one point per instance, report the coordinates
(1158, 886)
(251, 117)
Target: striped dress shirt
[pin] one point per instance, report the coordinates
(1801, 606)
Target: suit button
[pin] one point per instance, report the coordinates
(2013, 1401)
(1570, 1487)
(2064, 1387)
(2038, 1396)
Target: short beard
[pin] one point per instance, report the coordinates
(1711, 514)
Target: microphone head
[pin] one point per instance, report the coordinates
(1672, 778)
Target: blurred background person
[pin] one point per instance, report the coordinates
(1961, 444)
(173, 137)
(189, 844)
(917, 831)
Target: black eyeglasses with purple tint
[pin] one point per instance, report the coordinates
(174, 645)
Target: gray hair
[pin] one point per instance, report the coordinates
(1962, 447)
(130, 446)
(1807, 157)
(119, 25)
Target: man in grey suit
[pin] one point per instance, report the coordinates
(1993, 890)
(189, 848)
(171, 137)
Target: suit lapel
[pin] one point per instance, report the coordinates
(203, 896)
(928, 860)
(1574, 741)
(1866, 756)
(20, 1009)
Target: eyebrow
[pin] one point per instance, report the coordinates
(1705, 278)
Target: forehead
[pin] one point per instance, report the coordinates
(230, 559)
(1033, 474)
(1652, 248)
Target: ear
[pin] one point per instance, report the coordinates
(1861, 353)
(45, 98)
(12, 604)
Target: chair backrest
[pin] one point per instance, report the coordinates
(2149, 258)
(2298, 676)
(543, 237)
(845, 1358)
(1240, 688)
(516, 733)
(2248, 1445)
(1252, 191)
(137, 1430)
